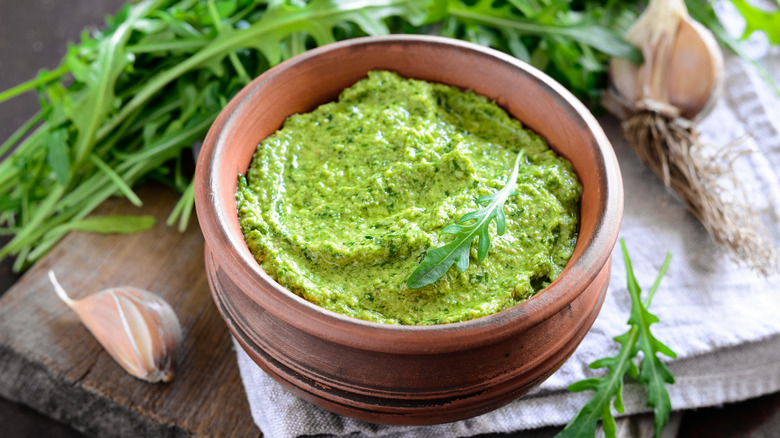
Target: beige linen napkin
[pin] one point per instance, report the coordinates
(721, 320)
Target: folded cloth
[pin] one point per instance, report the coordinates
(720, 319)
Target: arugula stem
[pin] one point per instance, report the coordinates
(297, 43)
(657, 283)
(154, 114)
(167, 46)
(242, 74)
(24, 215)
(21, 261)
(85, 190)
(8, 172)
(183, 208)
(117, 180)
(240, 70)
(19, 133)
(169, 143)
(109, 146)
(32, 84)
(44, 210)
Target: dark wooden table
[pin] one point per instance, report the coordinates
(34, 34)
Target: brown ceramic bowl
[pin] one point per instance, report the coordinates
(406, 374)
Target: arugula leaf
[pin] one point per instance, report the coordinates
(652, 372)
(514, 25)
(58, 155)
(474, 225)
(757, 19)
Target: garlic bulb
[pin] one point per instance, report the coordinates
(683, 64)
(659, 102)
(137, 328)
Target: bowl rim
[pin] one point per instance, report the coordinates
(214, 217)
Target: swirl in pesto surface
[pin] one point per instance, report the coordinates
(340, 205)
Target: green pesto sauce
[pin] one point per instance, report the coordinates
(340, 205)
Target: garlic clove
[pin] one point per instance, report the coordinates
(653, 33)
(681, 73)
(137, 328)
(695, 70)
(624, 79)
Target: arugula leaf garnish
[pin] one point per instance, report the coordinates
(652, 372)
(470, 226)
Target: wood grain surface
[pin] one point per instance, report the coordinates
(50, 362)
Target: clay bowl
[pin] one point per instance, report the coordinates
(406, 374)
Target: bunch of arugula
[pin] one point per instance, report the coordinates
(652, 372)
(127, 103)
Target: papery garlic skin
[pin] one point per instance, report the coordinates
(682, 72)
(137, 328)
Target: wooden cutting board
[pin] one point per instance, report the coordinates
(50, 362)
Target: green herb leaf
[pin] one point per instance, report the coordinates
(58, 154)
(652, 372)
(757, 19)
(571, 45)
(470, 226)
(503, 17)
